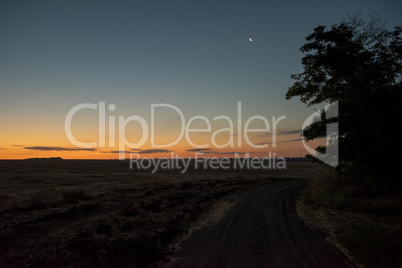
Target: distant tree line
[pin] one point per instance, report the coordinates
(44, 158)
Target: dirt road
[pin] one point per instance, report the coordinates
(261, 230)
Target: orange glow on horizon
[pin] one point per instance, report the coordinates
(47, 139)
(67, 151)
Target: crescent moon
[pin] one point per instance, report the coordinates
(251, 40)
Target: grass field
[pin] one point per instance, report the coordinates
(94, 213)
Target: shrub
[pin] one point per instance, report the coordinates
(74, 195)
(37, 201)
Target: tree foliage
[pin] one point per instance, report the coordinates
(357, 63)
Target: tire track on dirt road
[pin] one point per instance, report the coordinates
(261, 230)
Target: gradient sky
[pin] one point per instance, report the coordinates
(195, 55)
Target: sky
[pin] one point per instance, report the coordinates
(137, 68)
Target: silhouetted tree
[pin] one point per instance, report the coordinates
(357, 63)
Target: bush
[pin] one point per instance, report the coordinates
(74, 195)
(7, 203)
(37, 201)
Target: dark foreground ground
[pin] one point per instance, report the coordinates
(57, 213)
(261, 230)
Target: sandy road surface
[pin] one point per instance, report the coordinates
(261, 230)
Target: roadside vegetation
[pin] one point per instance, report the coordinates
(365, 225)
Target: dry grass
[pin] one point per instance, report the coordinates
(365, 227)
(95, 213)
